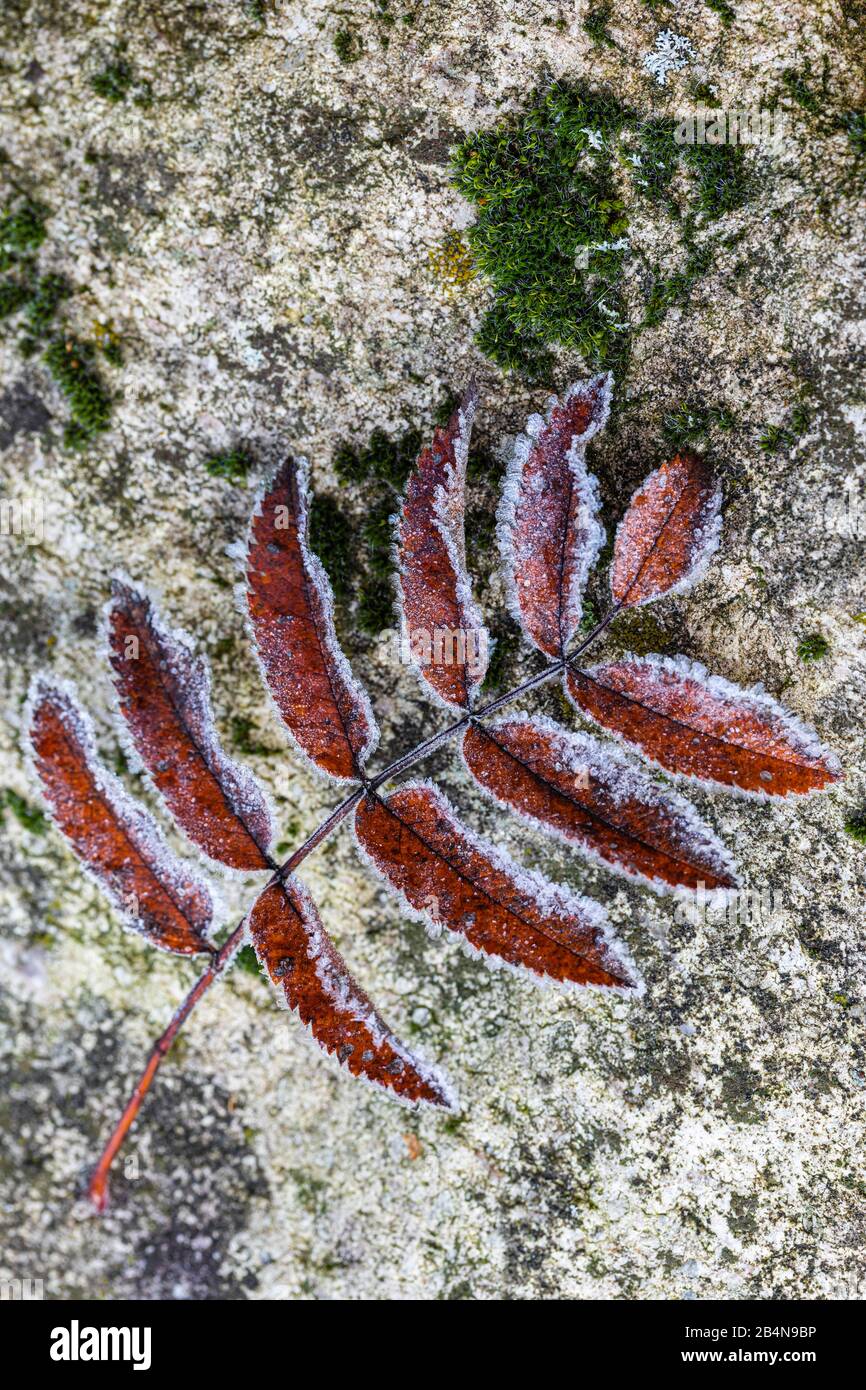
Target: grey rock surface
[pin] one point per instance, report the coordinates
(254, 219)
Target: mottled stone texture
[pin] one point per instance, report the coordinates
(257, 227)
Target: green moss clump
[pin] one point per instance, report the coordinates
(723, 179)
(392, 460)
(676, 289)
(14, 294)
(375, 611)
(331, 539)
(388, 460)
(481, 526)
(725, 11)
(812, 94)
(350, 464)
(546, 200)
(49, 294)
(774, 438)
(502, 339)
(854, 125)
(797, 84)
(813, 648)
(24, 228)
(347, 45)
(232, 465)
(777, 437)
(376, 600)
(689, 423)
(70, 363)
(112, 351)
(383, 465)
(596, 23)
(247, 960)
(242, 730)
(30, 817)
(377, 534)
(359, 560)
(114, 82)
(659, 156)
(855, 826)
(550, 225)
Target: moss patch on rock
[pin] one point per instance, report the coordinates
(552, 188)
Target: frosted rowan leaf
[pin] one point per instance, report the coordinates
(667, 537)
(547, 523)
(442, 627)
(291, 609)
(116, 840)
(163, 691)
(305, 966)
(586, 794)
(700, 726)
(451, 878)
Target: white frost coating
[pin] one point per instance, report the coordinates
(580, 752)
(802, 738)
(585, 482)
(448, 519)
(551, 897)
(193, 673)
(349, 999)
(317, 574)
(142, 829)
(672, 52)
(706, 539)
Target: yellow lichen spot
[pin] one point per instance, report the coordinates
(451, 262)
(106, 334)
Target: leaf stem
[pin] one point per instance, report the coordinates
(98, 1186)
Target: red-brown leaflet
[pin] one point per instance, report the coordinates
(696, 725)
(163, 691)
(572, 786)
(671, 529)
(115, 839)
(291, 605)
(547, 522)
(453, 879)
(441, 624)
(303, 963)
